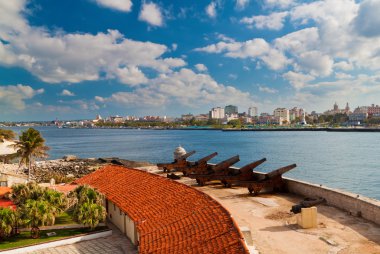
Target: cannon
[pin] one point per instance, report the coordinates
(258, 181)
(177, 164)
(307, 202)
(200, 166)
(213, 171)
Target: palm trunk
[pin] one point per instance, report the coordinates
(29, 167)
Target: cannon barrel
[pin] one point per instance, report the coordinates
(187, 155)
(249, 167)
(226, 163)
(207, 158)
(280, 171)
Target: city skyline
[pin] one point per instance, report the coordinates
(75, 59)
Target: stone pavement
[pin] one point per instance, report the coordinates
(115, 244)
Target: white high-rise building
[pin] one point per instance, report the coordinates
(282, 114)
(252, 111)
(217, 113)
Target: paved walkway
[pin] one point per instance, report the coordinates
(115, 244)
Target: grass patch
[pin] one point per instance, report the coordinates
(65, 218)
(24, 239)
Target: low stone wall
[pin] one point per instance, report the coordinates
(352, 203)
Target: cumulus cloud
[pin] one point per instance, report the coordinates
(367, 22)
(184, 87)
(151, 13)
(298, 80)
(201, 67)
(274, 21)
(12, 97)
(66, 92)
(241, 4)
(266, 89)
(130, 75)
(75, 57)
(120, 5)
(254, 49)
(211, 10)
(282, 4)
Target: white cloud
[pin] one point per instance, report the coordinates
(343, 65)
(74, 57)
(282, 4)
(266, 89)
(254, 49)
(342, 75)
(274, 21)
(201, 67)
(232, 76)
(298, 80)
(174, 46)
(315, 63)
(130, 75)
(367, 22)
(151, 13)
(120, 5)
(12, 97)
(241, 4)
(66, 92)
(185, 88)
(211, 10)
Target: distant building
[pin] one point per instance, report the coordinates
(362, 109)
(230, 109)
(217, 113)
(295, 113)
(357, 118)
(201, 117)
(252, 112)
(373, 109)
(336, 107)
(187, 117)
(282, 114)
(116, 119)
(347, 108)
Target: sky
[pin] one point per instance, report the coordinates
(75, 59)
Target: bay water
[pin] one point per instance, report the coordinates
(348, 161)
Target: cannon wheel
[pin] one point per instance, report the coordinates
(35, 232)
(224, 183)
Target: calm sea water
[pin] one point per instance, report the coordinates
(349, 161)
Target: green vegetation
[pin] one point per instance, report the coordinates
(7, 135)
(23, 239)
(65, 218)
(37, 206)
(30, 145)
(88, 209)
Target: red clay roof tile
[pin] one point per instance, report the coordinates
(171, 217)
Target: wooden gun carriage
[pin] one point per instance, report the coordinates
(260, 181)
(177, 164)
(200, 166)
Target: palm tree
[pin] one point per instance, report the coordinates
(37, 213)
(9, 221)
(88, 210)
(29, 146)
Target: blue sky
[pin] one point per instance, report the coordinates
(74, 59)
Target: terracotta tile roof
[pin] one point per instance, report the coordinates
(4, 190)
(7, 203)
(66, 188)
(171, 217)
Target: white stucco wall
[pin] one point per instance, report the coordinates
(122, 221)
